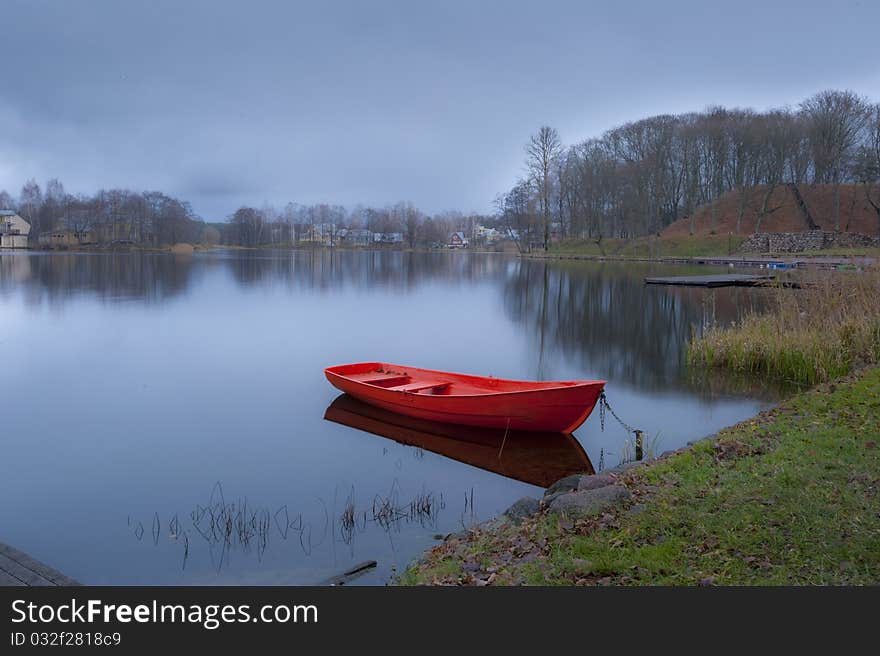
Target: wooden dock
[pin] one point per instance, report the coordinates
(17, 568)
(719, 280)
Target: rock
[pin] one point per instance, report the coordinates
(471, 567)
(525, 507)
(567, 484)
(595, 482)
(589, 502)
(530, 557)
(548, 498)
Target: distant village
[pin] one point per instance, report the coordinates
(330, 235)
(15, 232)
(49, 217)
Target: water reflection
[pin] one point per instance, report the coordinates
(324, 270)
(153, 376)
(107, 276)
(599, 315)
(608, 320)
(531, 457)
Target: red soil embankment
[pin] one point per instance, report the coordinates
(782, 212)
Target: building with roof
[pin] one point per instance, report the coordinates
(14, 230)
(457, 240)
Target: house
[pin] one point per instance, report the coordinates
(457, 240)
(320, 233)
(66, 238)
(486, 234)
(311, 234)
(355, 237)
(388, 237)
(14, 230)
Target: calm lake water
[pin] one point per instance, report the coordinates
(163, 417)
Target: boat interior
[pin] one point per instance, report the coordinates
(403, 382)
(425, 381)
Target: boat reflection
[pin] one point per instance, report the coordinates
(531, 457)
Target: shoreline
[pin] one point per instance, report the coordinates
(808, 260)
(800, 261)
(790, 496)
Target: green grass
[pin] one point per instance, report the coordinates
(651, 247)
(792, 497)
(866, 251)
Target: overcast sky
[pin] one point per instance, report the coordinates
(228, 103)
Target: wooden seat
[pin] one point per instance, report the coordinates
(419, 386)
(374, 377)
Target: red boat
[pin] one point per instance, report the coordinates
(556, 406)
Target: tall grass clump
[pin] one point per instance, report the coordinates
(807, 335)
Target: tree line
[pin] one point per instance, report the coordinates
(149, 218)
(638, 178)
(633, 180)
(153, 218)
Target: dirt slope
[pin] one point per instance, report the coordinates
(784, 215)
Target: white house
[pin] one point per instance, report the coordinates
(388, 237)
(486, 234)
(356, 237)
(14, 230)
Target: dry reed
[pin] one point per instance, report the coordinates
(807, 335)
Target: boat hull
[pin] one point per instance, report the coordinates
(485, 402)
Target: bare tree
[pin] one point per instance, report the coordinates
(640, 177)
(835, 122)
(867, 166)
(541, 152)
(30, 201)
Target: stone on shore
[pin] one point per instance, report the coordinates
(585, 503)
(574, 483)
(525, 507)
(567, 484)
(595, 482)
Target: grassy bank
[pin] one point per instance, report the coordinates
(791, 497)
(652, 247)
(685, 246)
(807, 335)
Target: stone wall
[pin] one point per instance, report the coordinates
(798, 242)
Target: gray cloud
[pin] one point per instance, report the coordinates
(227, 103)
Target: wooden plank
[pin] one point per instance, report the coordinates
(417, 387)
(719, 280)
(352, 573)
(6, 579)
(22, 573)
(372, 377)
(30, 570)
